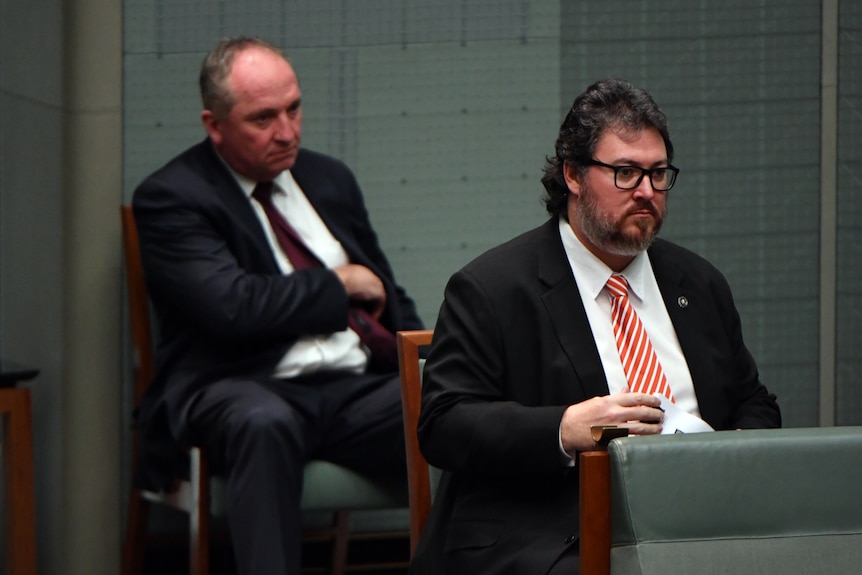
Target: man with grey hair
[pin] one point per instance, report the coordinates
(587, 320)
(276, 309)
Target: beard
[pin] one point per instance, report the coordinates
(605, 232)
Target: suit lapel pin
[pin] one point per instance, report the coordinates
(682, 301)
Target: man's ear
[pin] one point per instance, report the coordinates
(572, 177)
(211, 125)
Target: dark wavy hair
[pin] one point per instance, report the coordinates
(609, 103)
(216, 95)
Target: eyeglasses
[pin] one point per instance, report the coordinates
(630, 177)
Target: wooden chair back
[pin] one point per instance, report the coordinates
(190, 496)
(138, 303)
(418, 479)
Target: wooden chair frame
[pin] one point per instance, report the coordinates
(595, 512)
(418, 480)
(16, 432)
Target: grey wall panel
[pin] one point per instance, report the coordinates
(849, 288)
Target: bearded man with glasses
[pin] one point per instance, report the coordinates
(587, 320)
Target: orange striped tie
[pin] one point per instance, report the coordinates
(640, 363)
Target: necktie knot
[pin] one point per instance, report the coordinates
(263, 193)
(618, 286)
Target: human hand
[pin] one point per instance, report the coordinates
(363, 288)
(631, 410)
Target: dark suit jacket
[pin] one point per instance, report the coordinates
(223, 307)
(512, 348)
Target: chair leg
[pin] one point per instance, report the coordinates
(136, 534)
(340, 540)
(199, 549)
(199, 519)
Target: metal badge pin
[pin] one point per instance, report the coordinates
(682, 301)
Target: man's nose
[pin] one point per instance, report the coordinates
(644, 189)
(286, 129)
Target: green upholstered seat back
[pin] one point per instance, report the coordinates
(786, 501)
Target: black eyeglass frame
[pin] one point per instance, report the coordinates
(644, 172)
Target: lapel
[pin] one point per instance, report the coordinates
(684, 300)
(319, 186)
(562, 301)
(236, 205)
(333, 198)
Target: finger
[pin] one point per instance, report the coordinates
(630, 399)
(644, 414)
(377, 311)
(639, 428)
(656, 415)
(646, 399)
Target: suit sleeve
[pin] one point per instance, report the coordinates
(752, 405)
(337, 197)
(472, 420)
(729, 392)
(191, 251)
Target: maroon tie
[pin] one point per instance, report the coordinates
(379, 340)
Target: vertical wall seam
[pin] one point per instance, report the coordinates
(828, 209)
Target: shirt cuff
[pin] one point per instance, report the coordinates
(566, 459)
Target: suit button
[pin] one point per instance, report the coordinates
(570, 539)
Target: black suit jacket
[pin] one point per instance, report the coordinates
(223, 307)
(512, 348)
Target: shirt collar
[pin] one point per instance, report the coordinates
(593, 273)
(282, 182)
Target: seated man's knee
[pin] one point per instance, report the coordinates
(271, 420)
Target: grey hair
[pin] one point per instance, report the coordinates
(216, 95)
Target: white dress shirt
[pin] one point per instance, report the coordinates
(341, 350)
(591, 275)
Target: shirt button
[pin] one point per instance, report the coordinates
(570, 539)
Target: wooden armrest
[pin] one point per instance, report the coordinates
(595, 501)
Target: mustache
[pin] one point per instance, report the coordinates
(645, 205)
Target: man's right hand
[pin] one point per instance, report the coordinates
(629, 410)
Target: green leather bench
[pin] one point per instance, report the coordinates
(784, 501)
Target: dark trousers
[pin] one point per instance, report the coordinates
(259, 434)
